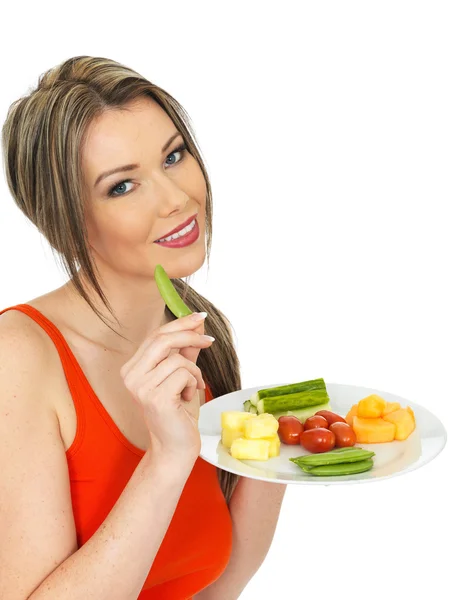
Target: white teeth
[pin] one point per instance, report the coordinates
(181, 233)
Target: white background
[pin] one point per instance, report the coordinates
(326, 130)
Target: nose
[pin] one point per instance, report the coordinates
(170, 197)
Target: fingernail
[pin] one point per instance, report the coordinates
(199, 316)
(209, 338)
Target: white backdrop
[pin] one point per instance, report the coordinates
(326, 130)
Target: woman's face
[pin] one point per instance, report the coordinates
(129, 210)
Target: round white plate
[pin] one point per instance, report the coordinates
(394, 458)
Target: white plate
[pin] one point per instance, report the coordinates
(394, 458)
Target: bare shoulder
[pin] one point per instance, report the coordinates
(37, 522)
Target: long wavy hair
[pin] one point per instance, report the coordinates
(42, 140)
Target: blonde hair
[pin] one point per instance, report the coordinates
(42, 140)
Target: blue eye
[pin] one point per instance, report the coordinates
(111, 193)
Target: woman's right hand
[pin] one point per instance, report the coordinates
(165, 384)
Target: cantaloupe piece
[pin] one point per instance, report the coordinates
(390, 407)
(371, 407)
(411, 412)
(351, 413)
(403, 421)
(373, 431)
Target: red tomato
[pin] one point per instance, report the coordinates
(315, 422)
(331, 417)
(345, 436)
(318, 440)
(290, 429)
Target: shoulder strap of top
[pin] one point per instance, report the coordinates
(75, 377)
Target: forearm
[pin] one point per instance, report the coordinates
(115, 561)
(254, 507)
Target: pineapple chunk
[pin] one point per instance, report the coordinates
(235, 419)
(243, 449)
(263, 426)
(275, 444)
(371, 407)
(229, 435)
(403, 421)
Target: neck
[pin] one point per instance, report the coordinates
(136, 303)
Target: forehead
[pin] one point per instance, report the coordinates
(119, 136)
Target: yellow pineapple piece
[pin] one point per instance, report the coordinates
(390, 407)
(275, 444)
(263, 426)
(244, 449)
(371, 407)
(403, 421)
(229, 435)
(235, 419)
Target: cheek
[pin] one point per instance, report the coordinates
(118, 228)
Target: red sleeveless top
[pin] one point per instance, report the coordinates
(197, 544)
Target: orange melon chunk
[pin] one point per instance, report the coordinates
(403, 421)
(371, 407)
(373, 431)
(390, 407)
(351, 414)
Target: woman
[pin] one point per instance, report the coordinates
(103, 492)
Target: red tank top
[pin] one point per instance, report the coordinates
(197, 544)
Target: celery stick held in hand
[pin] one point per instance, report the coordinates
(101, 384)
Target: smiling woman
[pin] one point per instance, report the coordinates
(99, 443)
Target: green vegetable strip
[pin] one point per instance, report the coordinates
(169, 294)
(340, 469)
(333, 457)
(293, 401)
(292, 388)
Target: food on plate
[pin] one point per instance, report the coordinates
(262, 426)
(390, 407)
(376, 421)
(344, 434)
(318, 440)
(243, 433)
(404, 422)
(301, 413)
(290, 430)
(330, 416)
(316, 421)
(351, 414)
(373, 431)
(243, 449)
(343, 461)
(341, 469)
(290, 397)
(169, 294)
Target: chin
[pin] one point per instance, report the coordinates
(183, 264)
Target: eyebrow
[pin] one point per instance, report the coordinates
(135, 165)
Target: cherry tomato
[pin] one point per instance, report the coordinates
(331, 417)
(318, 440)
(345, 436)
(290, 429)
(315, 422)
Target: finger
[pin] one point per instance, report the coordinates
(160, 350)
(190, 322)
(168, 366)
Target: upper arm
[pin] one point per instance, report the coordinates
(36, 518)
